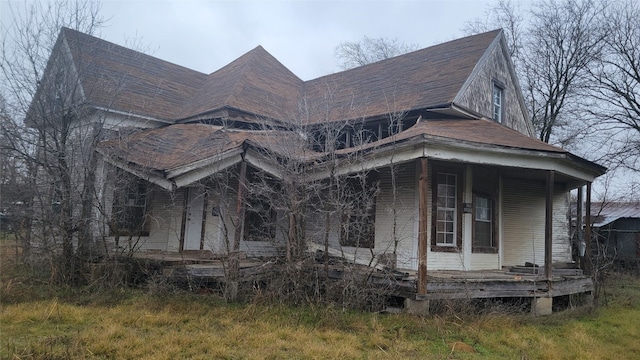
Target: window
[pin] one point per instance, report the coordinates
(446, 220)
(358, 217)
(446, 210)
(259, 220)
(498, 99)
(483, 222)
(129, 209)
(485, 210)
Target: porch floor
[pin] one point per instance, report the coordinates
(517, 281)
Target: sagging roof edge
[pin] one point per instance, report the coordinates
(252, 153)
(146, 175)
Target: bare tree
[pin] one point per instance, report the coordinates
(368, 50)
(553, 46)
(617, 83)
(44, 101)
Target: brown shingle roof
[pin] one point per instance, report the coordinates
(425, 78)
(118, 78)
(482, 132)
(255, 82)
(178, 145)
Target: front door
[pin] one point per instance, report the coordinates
(193, 226)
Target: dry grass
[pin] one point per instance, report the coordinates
(40, 322)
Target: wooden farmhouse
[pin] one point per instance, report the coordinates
(425, 163)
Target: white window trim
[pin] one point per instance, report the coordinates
(455, 212)
(497, 115)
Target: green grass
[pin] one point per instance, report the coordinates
(38, 321)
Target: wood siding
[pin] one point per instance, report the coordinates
(165, 220)
(404, 240)
(524, 217)
(478, 95)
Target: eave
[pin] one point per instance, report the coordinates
(440, 148)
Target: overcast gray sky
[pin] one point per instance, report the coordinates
(206, 35)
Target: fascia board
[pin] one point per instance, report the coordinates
(154, 121)
(155, 179)
(461, 152)
(207, 170)
(262, 162)
(194, 166)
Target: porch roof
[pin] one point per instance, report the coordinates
(478, 141)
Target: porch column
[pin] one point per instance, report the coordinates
(587, 232)
(548, 228)
(234, 256)
(579, 217)
(240, 207)
(422, 228)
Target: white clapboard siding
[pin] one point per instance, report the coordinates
(524, 218)
(485, 261)
(165, 219)
(561, 238)
(403, 239)
(524, 222)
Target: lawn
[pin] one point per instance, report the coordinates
(38, 321)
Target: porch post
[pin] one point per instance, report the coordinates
(422, 228)
(548, 228)
(579, 212)
(234, 256)
(240, 208)
(587, 232)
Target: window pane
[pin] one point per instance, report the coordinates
(446, 212)
(483, 225)
(449, 239)
(483, 234)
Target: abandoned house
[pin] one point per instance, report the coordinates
(425, 163)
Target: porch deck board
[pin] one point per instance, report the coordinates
(441, 284)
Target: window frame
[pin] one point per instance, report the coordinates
(259, 210)
(497, 108)
(456, 246)
(493, 247)
(122, 209)
(366, 238)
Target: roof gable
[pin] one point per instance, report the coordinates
(256, 83)
(427, 78)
